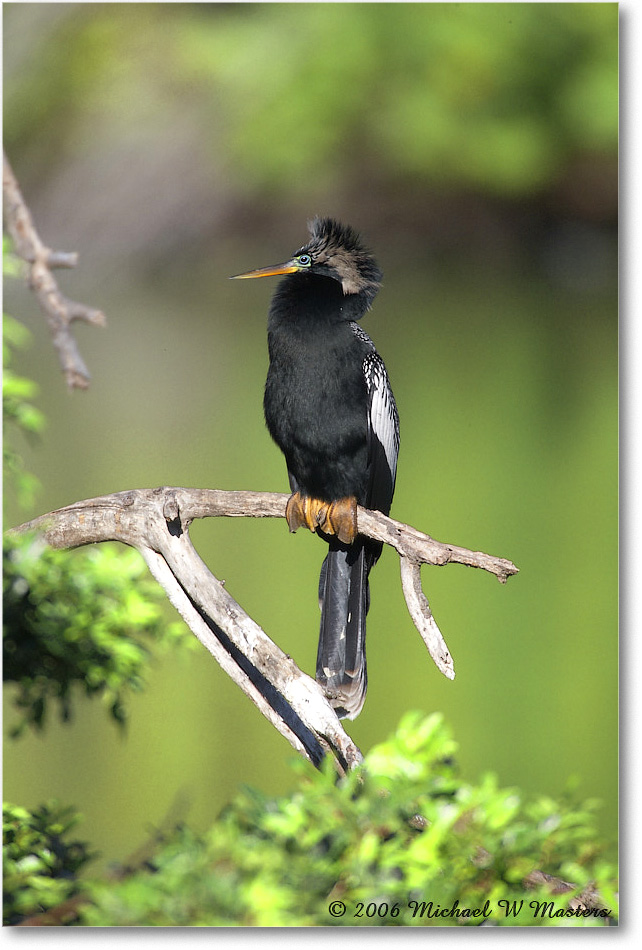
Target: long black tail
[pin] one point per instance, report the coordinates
(344, 599)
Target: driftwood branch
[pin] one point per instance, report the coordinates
(41, 260)
(156, 522)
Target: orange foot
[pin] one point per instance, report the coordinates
(331, 517)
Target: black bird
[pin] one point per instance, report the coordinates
(330, 409)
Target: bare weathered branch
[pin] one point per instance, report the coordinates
(423, 549)
(58, 309)
(419, 610)
(407, 541)
(156, 521)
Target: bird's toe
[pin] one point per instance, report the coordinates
(341, 519)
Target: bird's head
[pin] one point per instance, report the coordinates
(334, 250)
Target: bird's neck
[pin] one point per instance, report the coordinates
(318, 301)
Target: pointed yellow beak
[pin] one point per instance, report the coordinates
(274, 271)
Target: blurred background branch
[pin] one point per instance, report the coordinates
(41, 260)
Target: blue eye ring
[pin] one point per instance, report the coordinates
(304, 260)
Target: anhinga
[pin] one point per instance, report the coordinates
(330, 409)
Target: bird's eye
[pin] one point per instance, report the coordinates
(304, 260)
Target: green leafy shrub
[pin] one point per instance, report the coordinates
(40, 867)
(394, 844)
(77, 618)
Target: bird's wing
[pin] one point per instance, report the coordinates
(383, 434)
(383, 427)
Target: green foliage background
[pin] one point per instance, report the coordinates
(476, 147)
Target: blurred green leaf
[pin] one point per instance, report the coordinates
(19, 414)
(40, 867)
